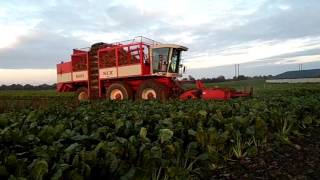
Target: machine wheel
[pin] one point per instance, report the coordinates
(82, 94)
(119, 91)
(152, 90)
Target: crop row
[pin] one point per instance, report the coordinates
(143, 140)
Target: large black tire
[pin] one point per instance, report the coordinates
(82, 94)
(119, 91)
(151, 89)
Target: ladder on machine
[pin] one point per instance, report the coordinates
(93, 73)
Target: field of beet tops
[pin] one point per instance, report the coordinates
(274, 135)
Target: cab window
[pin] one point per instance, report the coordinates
(160, 59)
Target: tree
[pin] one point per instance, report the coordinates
(241, 77)
(221, 78)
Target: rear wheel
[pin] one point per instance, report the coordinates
(82, 94)
(119, 91)
(152, 90)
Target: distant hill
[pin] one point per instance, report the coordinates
(311, 73)
(27, 87)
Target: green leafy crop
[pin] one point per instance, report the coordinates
(148, 140)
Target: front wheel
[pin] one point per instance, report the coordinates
(152, 90)
(119, 91)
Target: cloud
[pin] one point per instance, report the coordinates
(303, 53)
(39, 50)
(288, 28)
(218, 33)
(269, 22)
(253, 51)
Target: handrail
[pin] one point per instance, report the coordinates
(137, 39)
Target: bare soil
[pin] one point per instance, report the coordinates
(299, 160)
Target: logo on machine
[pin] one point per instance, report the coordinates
(79, 75)
(107, 73)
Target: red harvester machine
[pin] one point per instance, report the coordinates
(136, 69)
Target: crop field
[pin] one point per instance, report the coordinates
(11, 100)
(273, 135)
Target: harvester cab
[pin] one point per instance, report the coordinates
(166, 60)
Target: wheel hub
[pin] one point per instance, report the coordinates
(116, 94)
(149, 93)
(83, 96)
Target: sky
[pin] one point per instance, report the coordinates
(263, 36)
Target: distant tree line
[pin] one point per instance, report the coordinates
(27, 87)
(242, 77)
(221, 78)
(205, 80)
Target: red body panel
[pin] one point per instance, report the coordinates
(64, 87)
(216, 93)
(190, 94)
(64, 68)
(125, 55)
(201, 92)
(79, 61)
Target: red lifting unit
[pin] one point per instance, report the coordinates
(136, 69)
